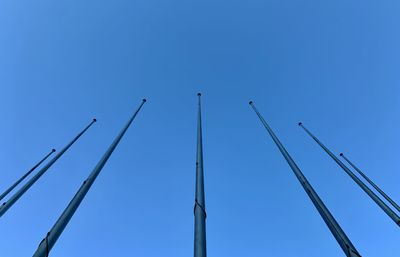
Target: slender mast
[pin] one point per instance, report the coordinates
(200, 249)
(390, 200)
(344, 242)
(361, 184)
(25, 175)
(6, 205)
(51, 238)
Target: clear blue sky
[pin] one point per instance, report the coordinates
(332, 64)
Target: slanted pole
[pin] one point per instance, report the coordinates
(49, 241)
(390, 200)
(25, 175)
(340, 236)
(22, 190)
(361, 184)
(200, 249)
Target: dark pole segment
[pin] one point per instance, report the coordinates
(25, 175)
(48, 242)
(200, 246)
(393, 203)
(330, 221)
(369, 192)
(21, 191)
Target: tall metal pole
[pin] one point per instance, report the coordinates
(393, 203)
(21, 191)
(369, 192)
(48, 242)
(25, 175)
(344, 242)
(200, 249)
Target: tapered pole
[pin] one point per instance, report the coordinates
(200, 249)
(361, 184)
(390, 200)
(340, 236)
(25, 175)
(48, 242)
(22, 190)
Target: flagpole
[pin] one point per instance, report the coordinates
(25, 175)
(361, 184)
(200, 249)
(6, 205)
(390, 200)
(51, 238)
(340, 236)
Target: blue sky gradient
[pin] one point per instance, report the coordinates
(332, 65)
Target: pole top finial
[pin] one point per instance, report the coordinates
(53, 150)
(198, 94)
(251, 102)
(300, 123)
(144, 100)
(341, 154)
(94, 119)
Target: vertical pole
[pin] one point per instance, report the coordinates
(21, 191)
(49, 241)
(200, 249)
(344, 242)
(25, 175)
(393, 203)
(361, 184)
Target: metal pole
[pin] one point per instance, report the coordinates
(344, 242)
(21, 191)
(48, 242)
(393, 203)
(369, 192)
(200, 249)
(25, 175)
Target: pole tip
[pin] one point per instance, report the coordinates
(251, 102)
(300, 123)
(144, 100)
(94, 120)
(198, 94)
(53, 150)
(341, 154)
